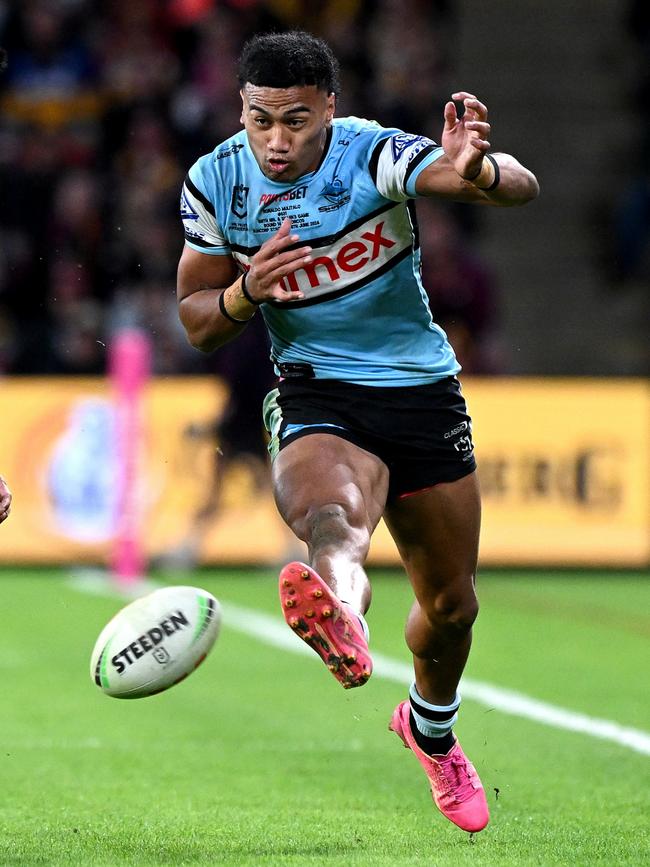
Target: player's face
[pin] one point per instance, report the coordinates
(287, 128)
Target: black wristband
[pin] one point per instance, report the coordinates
(247, 295)
(497, 174)
(224, 312)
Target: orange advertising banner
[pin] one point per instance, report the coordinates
(565, 470)
(564, 467)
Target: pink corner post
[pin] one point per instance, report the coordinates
(129, 371)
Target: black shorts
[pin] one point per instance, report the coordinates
(422, 433)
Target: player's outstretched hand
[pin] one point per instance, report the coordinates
(273, 261)
(465, 139)
(5, 500)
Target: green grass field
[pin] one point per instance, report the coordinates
(261, 758)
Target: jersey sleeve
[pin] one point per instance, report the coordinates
(397, 160)
(198, 214)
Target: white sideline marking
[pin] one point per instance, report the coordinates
(271, 630)
(98, 582)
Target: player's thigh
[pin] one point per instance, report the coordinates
(323, 469)
(437, 535)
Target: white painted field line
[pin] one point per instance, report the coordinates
(270, 630)
(273, 631)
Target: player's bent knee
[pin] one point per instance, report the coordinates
(332, 524)
(452, 610)
(444, 618)
(333, 520)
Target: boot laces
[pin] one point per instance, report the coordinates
(455, 776)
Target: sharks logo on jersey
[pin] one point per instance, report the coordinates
(337, 194)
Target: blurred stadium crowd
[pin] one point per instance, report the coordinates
(105, 105)
(629, 254)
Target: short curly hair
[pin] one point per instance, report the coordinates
(291, 59)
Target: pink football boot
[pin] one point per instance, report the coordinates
(327, 625)
(457, 791)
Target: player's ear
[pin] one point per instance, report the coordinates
(243, 106)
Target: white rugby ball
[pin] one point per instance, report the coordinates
(155, 642)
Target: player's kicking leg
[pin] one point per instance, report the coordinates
(332, 628)
(437, 533)
(331, 493)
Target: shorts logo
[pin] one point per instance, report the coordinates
(456, 430)
(462, 435)
(239, 201)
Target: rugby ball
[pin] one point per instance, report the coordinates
(155, 642)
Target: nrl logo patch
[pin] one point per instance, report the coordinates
(239, 201)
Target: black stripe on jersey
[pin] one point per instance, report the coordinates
(308, 302)
(416, 162)
(373, 163)
(410, 207)
(196, 192)
(326, 240)
(199, 241)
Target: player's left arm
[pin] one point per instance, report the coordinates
(467, 172)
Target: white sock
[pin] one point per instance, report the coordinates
(433, 720)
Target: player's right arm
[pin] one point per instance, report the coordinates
(200, 281)
(212, 302)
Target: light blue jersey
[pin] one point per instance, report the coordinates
(365, 317)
